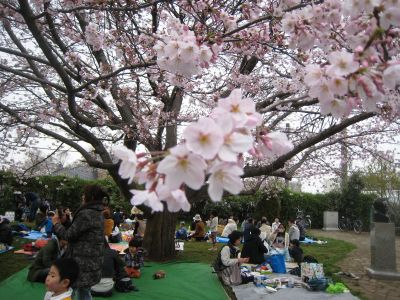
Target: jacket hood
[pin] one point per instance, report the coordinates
(230, 221)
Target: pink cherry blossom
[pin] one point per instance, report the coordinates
(336, 107)
(390, 16)
(224, 176)
(322, 90)
(127, 168)
(182, 166)
(338, 86)
(314, 75)
(240, 108)
(148, 198)
(176, 200)
(391, 76)
(275, 143)
(342, 63)
(204, 137)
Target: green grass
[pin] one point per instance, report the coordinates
(329, 254)
(11, 263)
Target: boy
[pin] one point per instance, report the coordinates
(63, 273)
(181, 233)
(134, 258)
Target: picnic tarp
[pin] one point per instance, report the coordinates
(251, 292)
(183, 281)
(6, 249)
(33, 235)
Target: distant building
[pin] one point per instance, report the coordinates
(295, 185)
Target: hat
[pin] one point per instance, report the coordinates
(136, 211)
(197, 218)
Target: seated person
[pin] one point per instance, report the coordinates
(265, 229)
(227, 263)
(62, 275)
(294, 232)
(302, 229)
(46, 226)
(6, 235)
(140, 226)
(181, 233)
(296, 252)
(112, 273)
(230, 227)
(40, 217)
(279, 240)
(40, 267)
(254, 248)
(134, 258)
(65, 217)
(199, 232)
(108, 223)
(116, 235)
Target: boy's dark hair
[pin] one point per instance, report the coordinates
(264, 220)
(68, 269)
(135, 243)
(255, 231)
(295, 242)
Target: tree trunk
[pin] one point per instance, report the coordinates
(159, 237)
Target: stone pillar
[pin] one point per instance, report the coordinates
(383, 252)
(331, 219)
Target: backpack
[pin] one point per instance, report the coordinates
(217, 265)
(310, 259)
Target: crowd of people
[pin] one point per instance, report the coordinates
(260, 240)
(78, 261)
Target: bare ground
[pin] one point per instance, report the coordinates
(359, 259)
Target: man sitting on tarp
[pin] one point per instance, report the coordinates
(40, 267)
(112, 275)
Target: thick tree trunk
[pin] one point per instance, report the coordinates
(159, 237)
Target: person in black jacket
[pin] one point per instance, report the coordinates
(112, 274)
(254, 248)
(296, 252)
(85, 239)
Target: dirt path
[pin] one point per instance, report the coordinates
(356, 262)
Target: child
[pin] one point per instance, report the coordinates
(134, 258)
(181, 233)
(47, 225)
(213, 229)
(63, 273)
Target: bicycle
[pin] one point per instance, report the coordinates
(303, 220)
(347, 224)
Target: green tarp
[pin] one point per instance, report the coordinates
(192, 281)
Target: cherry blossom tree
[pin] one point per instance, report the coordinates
(184, 96)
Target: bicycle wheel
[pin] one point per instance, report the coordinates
(357, 226)
(342, 225)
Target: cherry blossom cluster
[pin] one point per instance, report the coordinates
(212, 151)
(94, 37)
(180, 53)
(355, 76)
